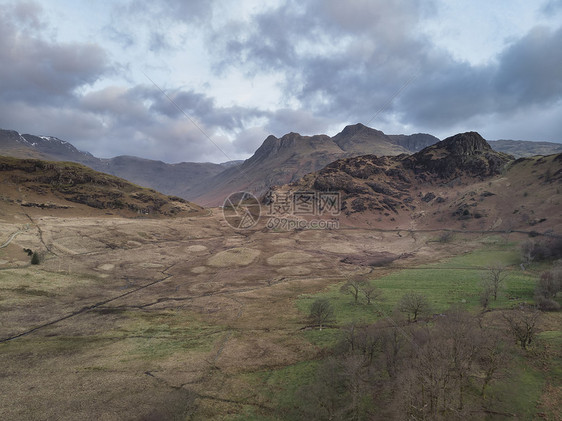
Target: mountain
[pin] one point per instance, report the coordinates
(75, 189)
(525, 148)
(283, 160)
(277, 161)
(460, 182)
(175, 179)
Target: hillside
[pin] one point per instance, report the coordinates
(277, 161)
(525, 148)
(74, 189)
(175, 179)
(459, 182)
(284, 160)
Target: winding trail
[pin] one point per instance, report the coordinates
(14, 235)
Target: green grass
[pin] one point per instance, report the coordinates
(454, 281)
(277, 389)
(519, 392)
(159, 334)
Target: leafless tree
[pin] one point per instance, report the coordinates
(413, 304)
(495, 278)
(492, 357)
(370, 292)
(548, 287)
(486, 292)
(522, 324)
(353, 287)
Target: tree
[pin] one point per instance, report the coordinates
(548, 287)
(495, 277)
(550, 283)
(353, 287)
(522, 325)
(528, 251)
(321, 312)
(413, 304)
(370, 292)
(492, 356)
(35, 259)
(485, 294)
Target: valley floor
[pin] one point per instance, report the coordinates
(188, 319)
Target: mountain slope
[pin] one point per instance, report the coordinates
(459, 182)
(282, 160)
(75, 189)
(173, 179)
(525, 148)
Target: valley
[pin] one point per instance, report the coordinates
(159, 309)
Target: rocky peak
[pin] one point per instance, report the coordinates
(462, 154)
(467, 143)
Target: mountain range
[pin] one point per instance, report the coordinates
(460, 182)
(277, 161)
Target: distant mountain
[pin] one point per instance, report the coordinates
(387, 183)
(176, 179)
(277, 161)
(282, 160)
(525, 148)
(458, 183)
(75, 189)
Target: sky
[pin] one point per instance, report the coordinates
(209, 80)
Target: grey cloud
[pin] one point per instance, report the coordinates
(343, 60)
(552, 6)
(193, 11)
(158, 42)
(39, 71)
(376, 49)
(530, 70)
(526, 74)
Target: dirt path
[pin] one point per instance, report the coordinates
(14, 235)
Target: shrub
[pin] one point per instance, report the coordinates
(546, 304)
(35, 259)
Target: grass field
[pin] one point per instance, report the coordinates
(454, 281)
(530, 388)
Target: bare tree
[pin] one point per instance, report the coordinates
(492, 356)
(495, 277)
(548, 287)
(393, 343)
(413, 304)
(353, 287)
(550, 283)
(522, 324)
(528, 251)
(370, 292)
(321, 312)
(485, 293)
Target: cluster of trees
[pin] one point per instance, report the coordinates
(548, 287)
(539, 250)
(402, 370)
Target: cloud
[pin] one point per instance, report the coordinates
(318, 65)
(38, 71)
(529, 71)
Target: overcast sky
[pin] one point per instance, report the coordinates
(112, 76)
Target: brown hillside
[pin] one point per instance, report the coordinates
(75, 189)
(459, 182)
